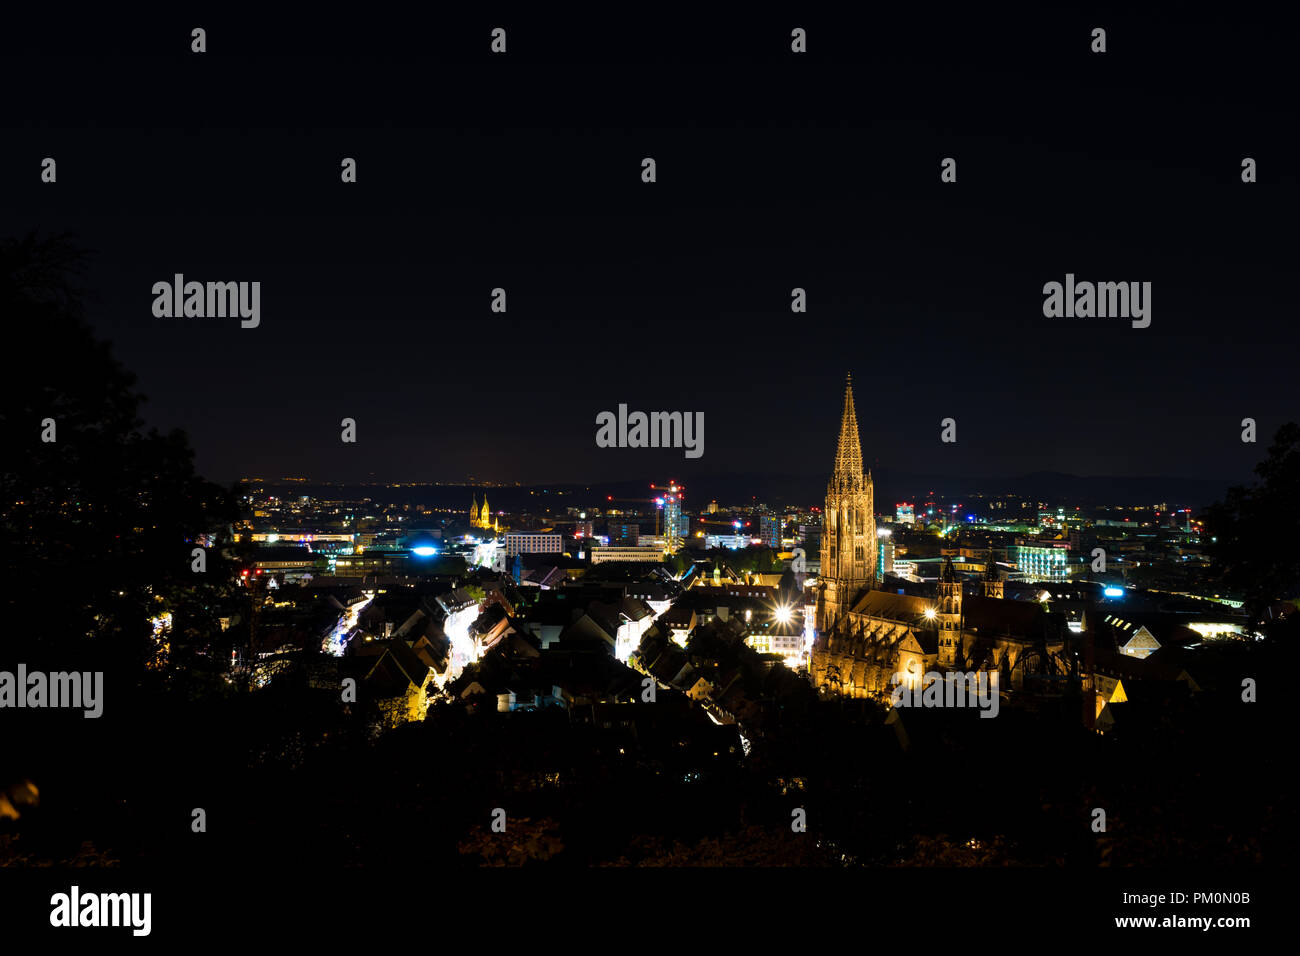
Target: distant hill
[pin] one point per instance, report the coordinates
(891, 487)
(789, 491)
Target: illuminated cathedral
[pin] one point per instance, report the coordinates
(866, 636)
(482, 519)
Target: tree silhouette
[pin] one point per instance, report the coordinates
(1251, 528)
(677, 563)
(96, 527)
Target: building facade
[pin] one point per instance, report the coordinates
(523, 543)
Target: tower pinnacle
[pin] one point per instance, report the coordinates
(848, 454)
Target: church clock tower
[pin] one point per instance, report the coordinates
(992, 580)
(948, 616)
(848, 558)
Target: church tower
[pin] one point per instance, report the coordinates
(992, 579)
(848, 558)
(473, 512)
(486, 520)
(948, 615)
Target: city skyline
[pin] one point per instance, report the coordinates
(855, 442)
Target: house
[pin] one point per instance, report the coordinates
(678, 621)
(1117, 678)
(490, 627)
(395, 679)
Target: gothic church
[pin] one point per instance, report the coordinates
(865, 636)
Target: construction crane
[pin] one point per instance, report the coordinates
(672, 488)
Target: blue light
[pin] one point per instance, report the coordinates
(1113, 592)
(424, 550)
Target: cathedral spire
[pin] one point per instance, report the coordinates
(849, 542)
(848, 454)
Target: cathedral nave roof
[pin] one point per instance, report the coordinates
(893, 607)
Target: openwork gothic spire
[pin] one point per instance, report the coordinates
(848, 455)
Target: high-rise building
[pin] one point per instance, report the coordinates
(770, 530)
(848, 561)
(671, 503)
(905, 513)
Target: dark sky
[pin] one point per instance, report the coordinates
(774, 171)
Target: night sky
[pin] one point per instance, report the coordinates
(775, 170)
